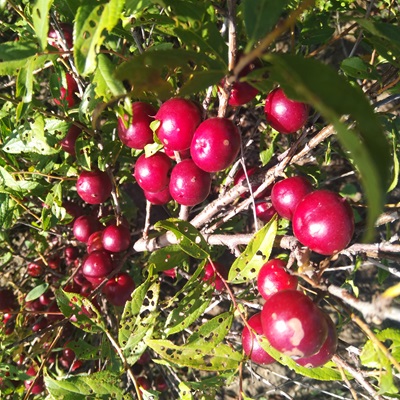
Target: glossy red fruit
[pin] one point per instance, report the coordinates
(137, 133)
(97, 266)
(287, 193)
(293, 324)
(283, 114)
(34, 269)
(116, 238)
(183, 155)
(250, 343)
(68, 93)
(178, 118)
(170, 272)
(159, 198)
(54, 262)
(55, 38)
(84, 226)
(211, 276)
(95, 242)
(160, 383)
(273, 277)
(143, 383)
(152, 173)
(37, 387)
(215, 144)
(265, 211)
(324, 222)
(71, 253)
(68, 142)
(326, 352)
(241, 93)
(119, 288)
(189, 185)
(94, 187)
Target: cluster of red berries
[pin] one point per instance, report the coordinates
(289, 321)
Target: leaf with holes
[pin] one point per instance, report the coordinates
(168, 257)
(40, 19)
(190, 307)
(213, 330)
(190, 240)
(138, 320)
(90, 23)
(247, 266)
(206, 358)
(80, 311)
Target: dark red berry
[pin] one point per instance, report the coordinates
(94, 187)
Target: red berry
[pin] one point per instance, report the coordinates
(68, 93)
(55, 38)
(293, 324)
(241, 93)
(68, 142)
(84, 226)
(37, 387)
(324, 222)
(97, 266)
(118, 289)
(326, 352)
(273, 277)
(95, 242)
(250, 343)
(178, 118)
(34, 269)
(189, 185)
(152, 173)
(116, 238)
(211, 276)
(138, 132)
(283, 114)
(94, 187)
(265, 211)
(158, 198)
(71, 253)
(215, 144)
(287, 194)
(170, 272)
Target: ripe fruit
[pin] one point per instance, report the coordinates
(178, 118)
(211, 276)
(287, 194)
(97, 266)
(118, 289)
(94, 187)
(265, 211)
(158, 198)
(68, 93)
(152, 173)
(324, 222)
(283, 114)
(138, 132)
(95, 242)
(250, 343)
(189, 185)
(215, 144)
(116, 238)
(34, 269)
(273, 277)
(326, 352)
(38, 386)
(241, 93)
(55, 38)
(84, 226)
(68, 142)
(293, 324)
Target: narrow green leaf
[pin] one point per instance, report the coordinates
(40, 19)
(256, 254)
(310, 81)
(168, 257)
(80, 311)
(190, 240)
(206, 357)
(396, 166)
(36, 292)
(260, 16)
(90, 23)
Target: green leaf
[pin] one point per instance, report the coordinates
(260, 16)
(396, 166)
(40, 19)
(358, 68)
(14, 55)
(385, 37)
(107, 86)
(138, 320)
(150, 72)
(168, 257)
(190, 240)
(91, 20)
(326, 373)
(36, 292)
(207, 357)
(80, 311)
(310, 81)
(99, 385)
(256, 254)
(189, 309)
